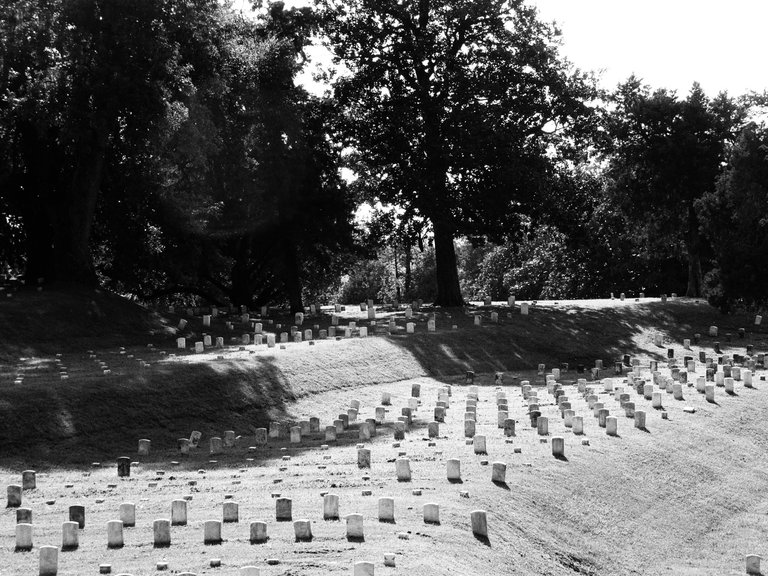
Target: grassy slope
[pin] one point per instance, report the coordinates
(89, 416)
(687, 497)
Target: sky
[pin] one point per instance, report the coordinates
(667, 43)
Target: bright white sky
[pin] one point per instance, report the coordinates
(667, 43)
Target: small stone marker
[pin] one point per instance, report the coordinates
(212, 532)
(363, 569)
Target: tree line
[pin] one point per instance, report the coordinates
(164, 149)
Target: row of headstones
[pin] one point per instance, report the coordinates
(258, 529)
(49, 565)
(304, 429)
(14, 491)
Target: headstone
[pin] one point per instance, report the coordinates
(479, 523)
(640, 419)
(114, 534)
(231, 512)
(260, 436)
(127, 511)
(14, 496)
(216, 445)
(258, 532)
(363, 569)
(403, 469)
(123, 467)
(499, 473)
(179, 512)
(386, 509)
(212, 532)
(479, 444)
(77, 514)
(330, 507)
(302, 530)
(28, 480)
(283, 509)
(161, 532)
(295, 435)
(558, 446)
(453, 468)
(431, 514)
(49, 560)
(23, 516)
(363, 458)
(24, 538)
(753, 562)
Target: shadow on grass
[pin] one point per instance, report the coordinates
(483, 539)
(502, 485)
(80, 420)
(562, 458)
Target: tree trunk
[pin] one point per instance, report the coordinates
(240, 292)
(407, 283)
(38, 248)
(446, 270)
(693, 247)
(76, 211)
(291, 279)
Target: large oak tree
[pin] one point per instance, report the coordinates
(451, 106)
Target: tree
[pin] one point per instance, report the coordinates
(79, 78)
(665, 153)
(250, 205)
(447, 102)
(733, 219)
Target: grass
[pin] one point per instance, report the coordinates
(687, 496)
